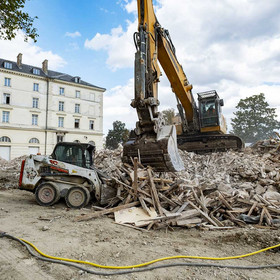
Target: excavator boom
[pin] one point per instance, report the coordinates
(153, 142)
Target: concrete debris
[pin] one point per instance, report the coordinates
(213, 192)
(9, 172)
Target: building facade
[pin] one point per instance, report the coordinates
(40, 107)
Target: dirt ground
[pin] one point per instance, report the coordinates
(54, 232)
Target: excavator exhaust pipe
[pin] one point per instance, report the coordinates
(158, 151)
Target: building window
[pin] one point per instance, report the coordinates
(61, 106)
(77, 79)
(35, 87)
(78, 94)
(6, 98)
(77, 123)
(34, 119)
(34, 141)
(91, 96)
(61, 91)
(8, 65)
(7, 82)
(35, 102)
(60, 122)
(36, 71)
(91, 125)
(77, 108)
(59, 138)
(5, 116)
(5, 139)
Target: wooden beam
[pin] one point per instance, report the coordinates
(144, 205)
(154, 192)
(135, 177)
(106, 211)
(205, 215)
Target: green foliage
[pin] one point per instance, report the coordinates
(168, 115)
(254, 120)
(118, 135)
(12, 19)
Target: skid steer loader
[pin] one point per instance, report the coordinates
(67, 173)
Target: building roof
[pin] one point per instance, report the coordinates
(28, 69)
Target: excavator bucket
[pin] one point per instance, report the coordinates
(158, 151)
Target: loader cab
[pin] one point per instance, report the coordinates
(209, 109)
(80, 154)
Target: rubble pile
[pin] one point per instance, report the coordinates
(9, 172)
(218, 190)
(271, 145)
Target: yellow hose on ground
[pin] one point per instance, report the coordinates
(150, 262)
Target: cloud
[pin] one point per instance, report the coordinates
(117, 106)
(118, 44)
(131, 7)
(73, 46)
(73, 35)
(32, 54)
(230, 46)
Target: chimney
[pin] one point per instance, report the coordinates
(19, 60)
(45, 66)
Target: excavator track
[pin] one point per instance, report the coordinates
(204, 143)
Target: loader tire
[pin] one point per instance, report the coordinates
(77, 197)
(47, 194)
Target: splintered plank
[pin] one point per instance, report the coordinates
(106, 211)
(221, 197)
(135, 178)
(199, 201)
(154, 192)
(144, 206)
(205, 215)
(252, 208)
(270, 208)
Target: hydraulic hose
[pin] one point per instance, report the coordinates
(66, 262)
(150, 262)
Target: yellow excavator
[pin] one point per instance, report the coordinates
(202, 128)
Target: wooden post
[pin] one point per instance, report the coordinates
(135, 179)
(154, 192)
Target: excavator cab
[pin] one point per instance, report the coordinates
(210, 105)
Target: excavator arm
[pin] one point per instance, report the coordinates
(153, 44)
(153, 142)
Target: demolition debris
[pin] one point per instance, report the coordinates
(215, 191)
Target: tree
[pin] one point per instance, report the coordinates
(168, 116)
(118, 135)
(12, 19)
(254, 120)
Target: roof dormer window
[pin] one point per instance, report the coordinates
(77, 79)
(36, 71)
(8, 65)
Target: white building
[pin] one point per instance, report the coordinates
(40, 107)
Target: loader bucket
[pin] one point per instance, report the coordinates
(158, 151)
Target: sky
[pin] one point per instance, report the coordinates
(232, 46)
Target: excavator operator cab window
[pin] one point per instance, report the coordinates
(209, 113)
